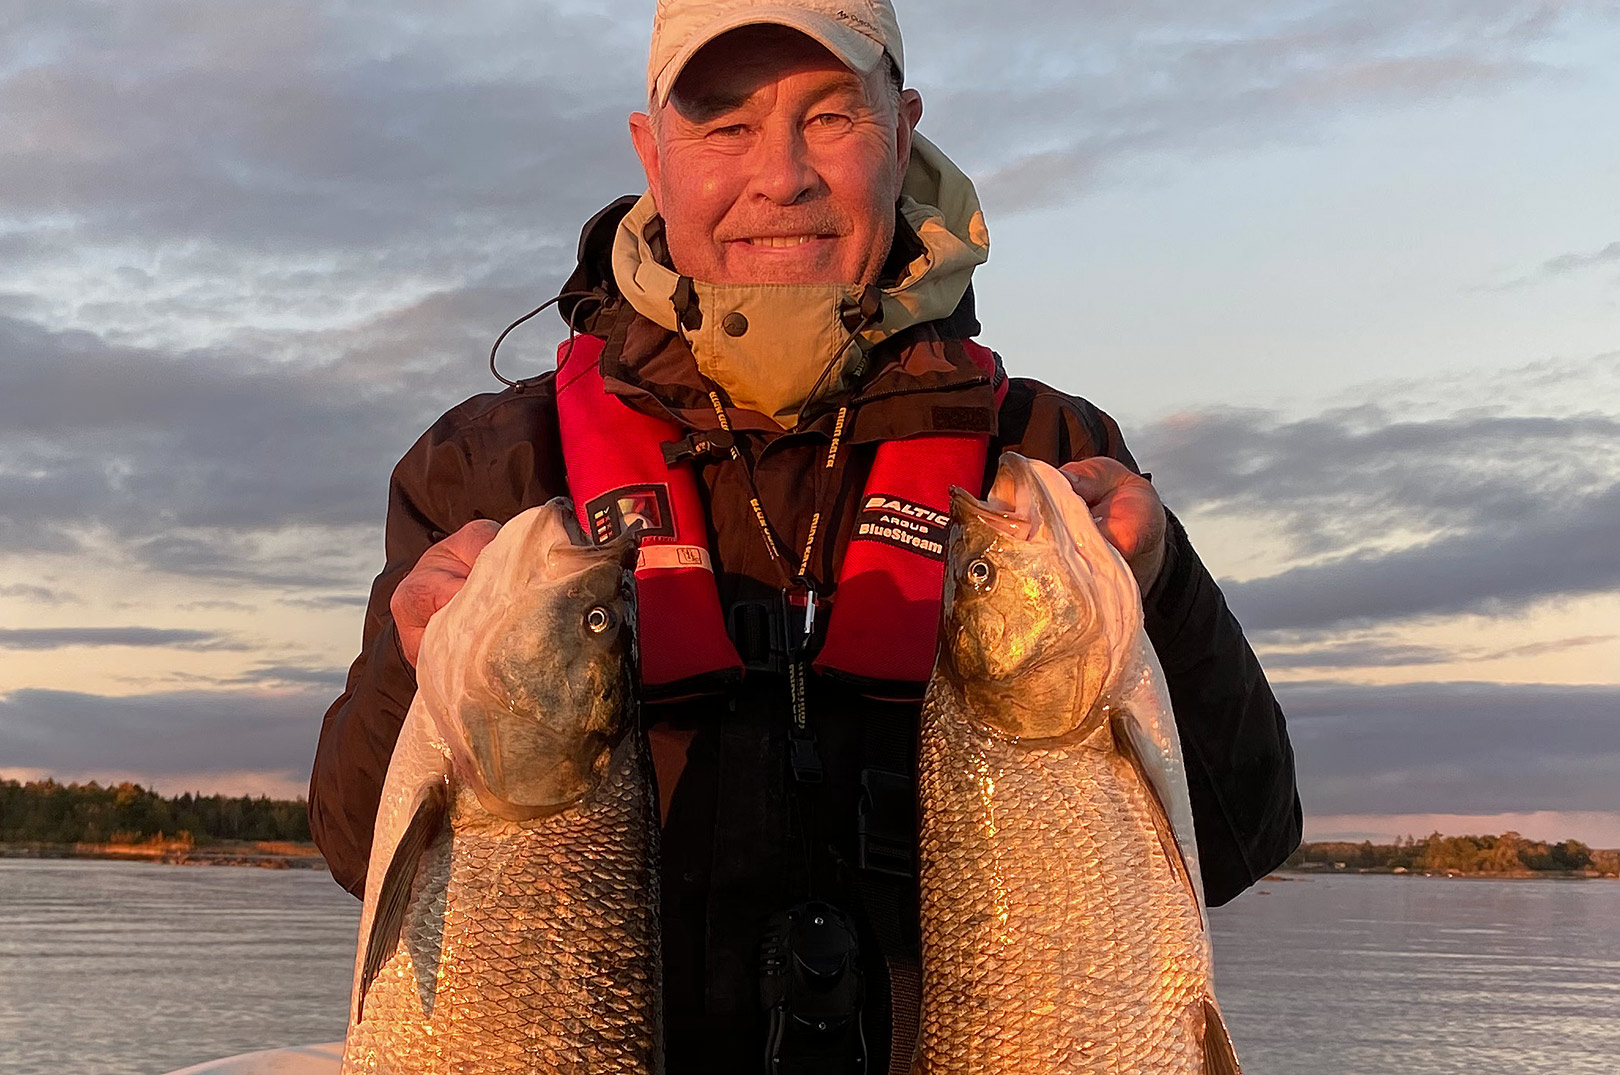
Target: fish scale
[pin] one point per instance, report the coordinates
(1086, 867)
(544, 938)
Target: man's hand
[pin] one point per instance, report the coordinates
(437, 577)
(1128, 512)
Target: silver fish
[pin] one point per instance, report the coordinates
(511, 914)
(1063, 925)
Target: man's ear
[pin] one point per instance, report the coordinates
(911, 110)
(645, 140)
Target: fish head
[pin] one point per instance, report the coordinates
(543, 679)
(1032, 610)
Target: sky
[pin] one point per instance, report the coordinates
(1348, 274)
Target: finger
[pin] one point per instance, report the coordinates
(466, 544)
(410, 619)
(1123, 534)
(1096, 477)
(410, 643)
(437, 577)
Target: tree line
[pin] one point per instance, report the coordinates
(1509, 853)
(48, 812)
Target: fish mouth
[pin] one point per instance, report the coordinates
(566, 561)
(1017, 504)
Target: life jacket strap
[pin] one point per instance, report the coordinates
(619, 478)
(885, 622)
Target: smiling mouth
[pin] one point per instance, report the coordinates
(782, 242)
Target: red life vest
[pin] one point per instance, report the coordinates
(885, 619)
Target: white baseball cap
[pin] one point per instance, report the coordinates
(858, 32)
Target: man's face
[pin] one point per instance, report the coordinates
(775, 163)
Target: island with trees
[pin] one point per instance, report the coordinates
(1507, 855)
(47, 819)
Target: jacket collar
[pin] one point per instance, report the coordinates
(917, 382)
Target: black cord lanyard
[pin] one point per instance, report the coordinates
(806, 766)
(801, 577)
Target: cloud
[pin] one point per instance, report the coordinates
(304, 161)
(1382, 517)
(1282, 649)
(209, 463)
(1564, 264)
(1551, 645)
(47, 638)
(1359, 654)
(1456, 748)
(158, 736)
(1040, 117)
(1557, 553)
(328, 679)
(39, 595)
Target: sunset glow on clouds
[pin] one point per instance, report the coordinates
(1347, 274)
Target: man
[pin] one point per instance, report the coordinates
(784, 324)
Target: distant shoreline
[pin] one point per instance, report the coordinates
(290, 855)
(1302, 873)
(263, 854)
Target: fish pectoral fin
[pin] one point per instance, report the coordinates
(395, 894)
(1126, 744)
(1219, 1056)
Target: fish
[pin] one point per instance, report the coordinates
(511, 910)
(1063, 926)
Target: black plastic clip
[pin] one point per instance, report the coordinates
(715, 442)
(802, 756)
(886, 824)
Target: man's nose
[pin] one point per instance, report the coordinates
(783, 171)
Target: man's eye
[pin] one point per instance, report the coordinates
(732, 130)
(829, 120)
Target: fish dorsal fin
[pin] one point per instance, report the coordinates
(395, 894)
(1219, 1056)
(1121, 723)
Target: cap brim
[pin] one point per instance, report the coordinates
(854, 49)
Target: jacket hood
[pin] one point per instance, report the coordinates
(772, 347)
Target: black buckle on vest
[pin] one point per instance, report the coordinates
(715, 442)
(886, 824)
(802, 757)
(770, 636)
(760, 635)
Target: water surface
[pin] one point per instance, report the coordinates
(111, 968)
(133, 968)
(1378, 974)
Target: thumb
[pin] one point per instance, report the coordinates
(1095, 478)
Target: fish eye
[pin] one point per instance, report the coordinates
(982, 574)
(599, 620)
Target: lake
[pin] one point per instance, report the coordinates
(112, 968)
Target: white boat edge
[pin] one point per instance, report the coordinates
(298, 1060)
